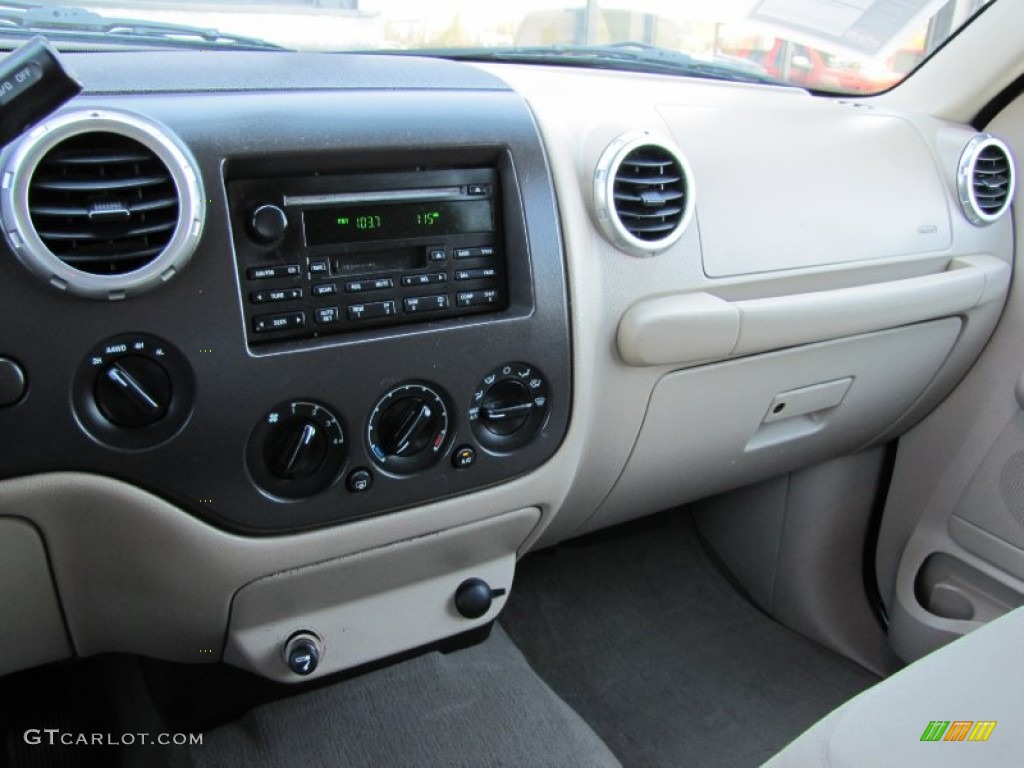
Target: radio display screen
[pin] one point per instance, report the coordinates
(365, 222)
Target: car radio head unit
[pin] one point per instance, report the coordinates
(325, 255)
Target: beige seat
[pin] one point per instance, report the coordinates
(975, 680)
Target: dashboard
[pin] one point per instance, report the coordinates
(303, 351)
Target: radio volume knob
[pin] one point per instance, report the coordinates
(267, 223)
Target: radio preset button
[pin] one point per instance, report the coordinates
(428, 279)
(281, 270)
(283, 322)
(476, 274)
(325, 289)
(420, 304)
(318, 268)
(476, 298)
(437, 254)
(327, 315)
(473, 253)
(372, 310)
(361, 286)
(281, 294)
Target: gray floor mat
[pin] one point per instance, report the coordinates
(650, 644)
(482, 706)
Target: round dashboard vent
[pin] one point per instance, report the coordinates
(644, 194)
(102, 204)
(985, 179)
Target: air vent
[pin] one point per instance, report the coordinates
(643, 191)
(985, 180)
(102, 204)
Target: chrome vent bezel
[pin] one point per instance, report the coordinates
(20, 230)
(606, 176)
(967, 180)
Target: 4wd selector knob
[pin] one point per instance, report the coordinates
(133, 391)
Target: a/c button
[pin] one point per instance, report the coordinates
(464, 457)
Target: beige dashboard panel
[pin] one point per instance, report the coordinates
(864, 188)
(374, 603)
(31, 627)
(697, 326)
(719, 416)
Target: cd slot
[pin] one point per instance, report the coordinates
(375, 262)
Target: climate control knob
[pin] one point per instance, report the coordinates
(508, 406)
(297, 449)
(409, 428)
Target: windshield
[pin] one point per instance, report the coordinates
(840, 46)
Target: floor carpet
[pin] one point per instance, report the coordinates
(641, 634)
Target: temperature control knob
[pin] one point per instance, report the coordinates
(508, 406)
(409, 428)
(297, 449)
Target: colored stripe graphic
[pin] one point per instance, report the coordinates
(958, 730)
(935, 730)
(982, 730)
